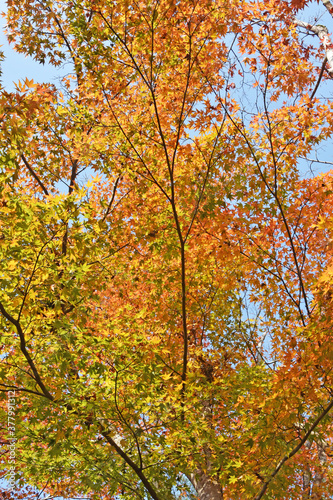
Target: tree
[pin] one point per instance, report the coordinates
(165, 269)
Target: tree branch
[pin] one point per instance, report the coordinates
(319, 78)
(34, 175)
(112, 198)
(19, 389)
(24, 351)
(73, 176)
(322, 33)
(294, 450)
(132, 464)
(328, 6)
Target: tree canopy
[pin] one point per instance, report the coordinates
(166, 266)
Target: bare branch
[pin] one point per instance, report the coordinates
(322, 33)
(319, 78)
(329, 6)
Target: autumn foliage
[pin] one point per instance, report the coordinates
(166, 265)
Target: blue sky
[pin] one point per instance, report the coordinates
(17, 66)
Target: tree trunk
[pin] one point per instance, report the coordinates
(206, 487)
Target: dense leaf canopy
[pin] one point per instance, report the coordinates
(166, 281)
